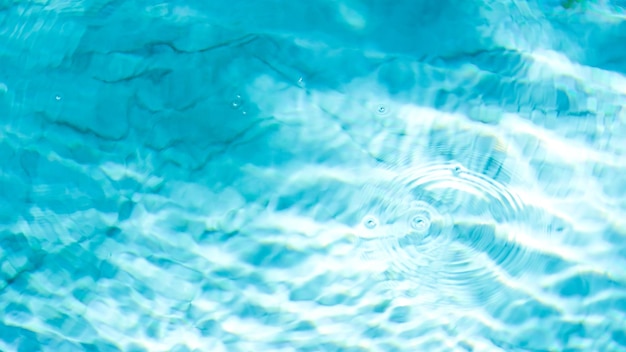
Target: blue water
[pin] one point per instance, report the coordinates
(325, 175)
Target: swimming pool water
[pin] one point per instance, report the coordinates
(327, 175)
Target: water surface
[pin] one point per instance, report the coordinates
(312, 176)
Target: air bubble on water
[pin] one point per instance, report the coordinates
(370, 222)
(301, 82)
(381, 109)
(420, 222)
(58, 97)
(237, 102)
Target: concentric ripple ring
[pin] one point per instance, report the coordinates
(444, 229)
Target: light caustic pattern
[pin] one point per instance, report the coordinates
(312, 176)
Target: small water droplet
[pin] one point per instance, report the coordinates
(301, 82)
(382, 109)
(58, 97)
(370, 222)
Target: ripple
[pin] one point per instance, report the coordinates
(444, 230)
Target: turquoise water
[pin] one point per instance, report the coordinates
(312, 175)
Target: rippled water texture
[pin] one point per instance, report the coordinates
(319, 175)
